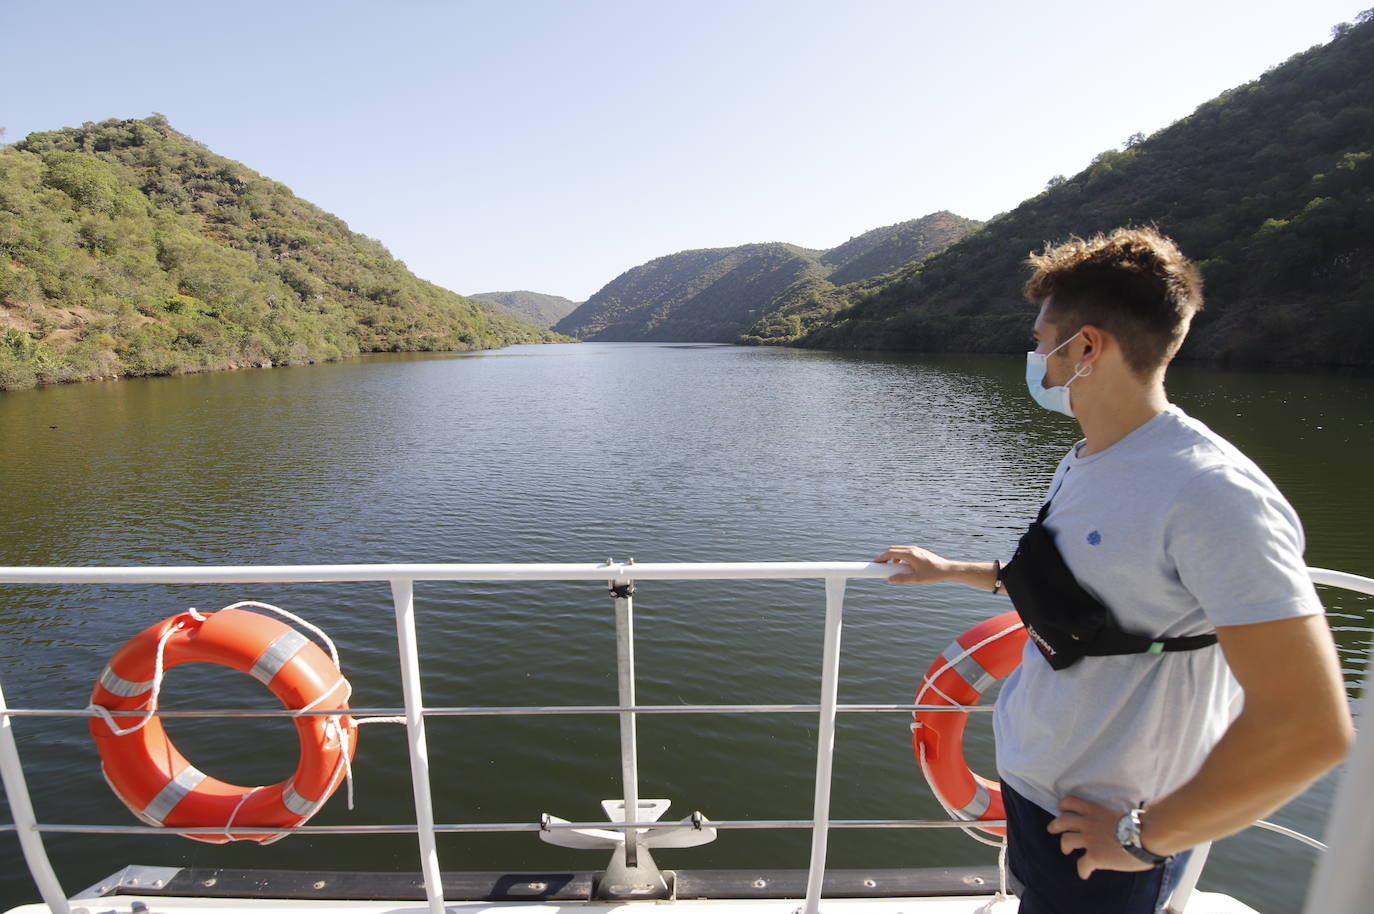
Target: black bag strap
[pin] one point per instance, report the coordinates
(1111, 641)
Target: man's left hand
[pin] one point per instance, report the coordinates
(1086, 826)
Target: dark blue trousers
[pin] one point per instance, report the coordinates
(1049, 879)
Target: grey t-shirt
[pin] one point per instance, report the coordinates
(1177, 532)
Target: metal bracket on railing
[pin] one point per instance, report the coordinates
(694, 830)
(641, 879)
(620, 588)
(135, 878)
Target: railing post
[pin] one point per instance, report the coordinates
(825, 740)
(21, 808)
(623, 591)
(403, 596)
(1343, 879)
(1187, 883)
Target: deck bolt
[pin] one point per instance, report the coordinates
(538, 886)
(320, 884)
(870, 883)
(760, 883)
(209, 882)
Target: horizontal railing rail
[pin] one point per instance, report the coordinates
(471, 573)
(503, 710)
(481, 827)
(401, 578)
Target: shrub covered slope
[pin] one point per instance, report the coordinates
(531, 307)
(127, 248)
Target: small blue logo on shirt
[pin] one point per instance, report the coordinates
(1094, 538)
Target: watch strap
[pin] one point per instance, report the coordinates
(1141, 853)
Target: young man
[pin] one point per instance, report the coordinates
(1116, 764)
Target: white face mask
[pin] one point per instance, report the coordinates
(1054, 398)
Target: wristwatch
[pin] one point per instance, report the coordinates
(1128, 833)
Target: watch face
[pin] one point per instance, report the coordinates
(1126, 830)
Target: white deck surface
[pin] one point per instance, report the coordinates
(1200, 903)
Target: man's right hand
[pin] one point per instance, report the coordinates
(921, 565)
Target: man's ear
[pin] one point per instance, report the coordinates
(1095, 342)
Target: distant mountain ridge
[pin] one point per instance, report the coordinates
(705, 295)
(535, 308)
(729, 294)
(127, 248)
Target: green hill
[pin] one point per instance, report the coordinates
(1270, 187)
(127, 248)
(531, 307)
(883, 250)
(756, 293)
(706, 295)
(813, 301)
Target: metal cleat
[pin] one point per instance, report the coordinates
(692, 831)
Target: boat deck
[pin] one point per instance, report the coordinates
(1198, 903)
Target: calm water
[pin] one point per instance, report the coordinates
(572, 454)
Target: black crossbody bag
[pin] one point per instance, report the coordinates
(1065, 621)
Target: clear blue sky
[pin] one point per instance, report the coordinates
(531, 144)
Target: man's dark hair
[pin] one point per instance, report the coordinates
(1133, 283)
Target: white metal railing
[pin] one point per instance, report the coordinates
(401, 578)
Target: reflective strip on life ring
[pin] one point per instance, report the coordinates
(964, 671)
(176, 790)
(124, 688)
(161, 787)
(281, 650)
(295, 802)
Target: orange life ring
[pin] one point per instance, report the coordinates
(161, 787)
(979, 657)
